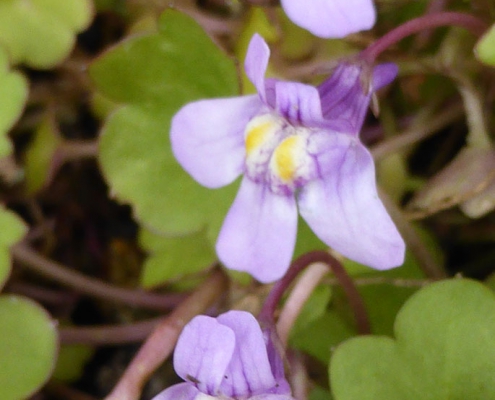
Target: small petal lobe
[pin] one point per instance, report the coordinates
(256, 62)
(299, 103)
(249, 370)
(203, 353)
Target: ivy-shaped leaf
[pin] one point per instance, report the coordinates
(41, 33)
(485, 48)
(28, 347)
(154, 75)
(13, 92)
(443, 350)
(170, 258)
(13, 229)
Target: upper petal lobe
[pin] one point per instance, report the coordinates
(203, 353)
(249, 370)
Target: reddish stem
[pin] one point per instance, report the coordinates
(161, 342)
(355, 300)
(473, 24)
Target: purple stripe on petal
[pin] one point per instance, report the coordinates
(299, 103)
(249, 370)
(331, 18)
(343, 207)
(256, 62)
(181, 391)
(208, 138)
(203, 353)
(259, 232)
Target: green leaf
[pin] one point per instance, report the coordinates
(485, 48)
(443, 350)
(39, 155)
(13, 229)
(71, 361)
(153, 75)
(13, 92)
(28, 347)
(41, 33)
(173, 258)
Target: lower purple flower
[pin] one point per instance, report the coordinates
(298, 148)
(227, 357)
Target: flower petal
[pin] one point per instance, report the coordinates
(203, 353)
(383, 74)
(272, 397)
(344, 99)
(259, 232)
(181, 391)
(249, 371)
(208, 138)
(331, 18)
(256, 62)
(343, 208)
(299, 103)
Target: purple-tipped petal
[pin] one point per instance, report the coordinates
(383, 74)
(345, 98)
(203, 353)
(256, 63)
(259, 232)
(181, 391)
(299, 103)
(331, 18)
(343, 208)
(208, 138)
(249, 370)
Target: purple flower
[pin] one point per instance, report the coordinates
(331, 18)
(227, 357)
(292, 142)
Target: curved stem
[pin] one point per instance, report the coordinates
(298, 296)
(161, 342)
(23, 253)
(109, 334)
(417, 25)
(355, 300)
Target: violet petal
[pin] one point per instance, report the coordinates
(256, 62)
(259, 233)
(249, 370)
(299, 103)
(203, 353)
(331, 18)
(208, 138)
(343, 207)
(181, 391)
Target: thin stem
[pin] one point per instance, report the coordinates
(355, 300)
(23, 253)
(298, 296)
(419, 130)
(41, 294)
(109, 334)
(473, 24)
(161, 342)
(76, 149)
